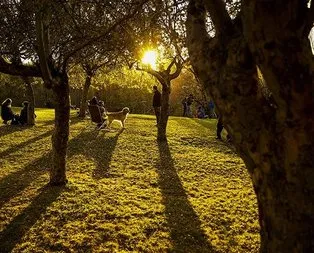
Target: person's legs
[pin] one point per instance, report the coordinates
(219, 128)
(157, 113)
(184, 110)
(188, 111)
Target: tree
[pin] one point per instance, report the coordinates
(91, 64)
(164, 77)
(50, 33)
(165, 32)
(31, 99)
(273, 134)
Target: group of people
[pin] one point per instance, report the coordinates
(8, 115)
(187, 102)
(20, 119)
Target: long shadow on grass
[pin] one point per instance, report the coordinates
(92, 145)
(18, 227)
(8, 129)
(24, 144)
(184, 224)
(17, 181)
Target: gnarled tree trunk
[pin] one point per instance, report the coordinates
(162, 125)
(273, 134)
(61, 132)
(31, 99)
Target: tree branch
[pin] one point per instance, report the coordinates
(154, 73)
(228, 73)
(42, 40)
(219, 15)
(18, 70)
(179, 67)
(105, 33)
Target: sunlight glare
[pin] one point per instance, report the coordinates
(150, 58)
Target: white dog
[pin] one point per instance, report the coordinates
(118, 116)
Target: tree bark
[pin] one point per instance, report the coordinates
(285, 201)
(274, 135)
(284, 183)
(162, 125)
(164, 77)
(31, 99)
(61, 132)
(83, 105)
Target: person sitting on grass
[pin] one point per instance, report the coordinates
(7, 114)
(24, 113)
(200, 113)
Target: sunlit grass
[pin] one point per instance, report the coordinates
(126, 192)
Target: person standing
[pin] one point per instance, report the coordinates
(211, 107)
(185, 106)
(189, 102)
(157, 103)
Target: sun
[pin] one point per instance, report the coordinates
(150, 58)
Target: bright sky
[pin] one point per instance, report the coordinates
(150, 58)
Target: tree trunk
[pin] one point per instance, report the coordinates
(285, 184)
(31, 106)
(274, 135)
(83, 105)
(285, 199)
(162, 125)
(61, 132)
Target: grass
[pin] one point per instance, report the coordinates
(126, 192)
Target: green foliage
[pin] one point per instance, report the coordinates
(126, 192)
(14, 87)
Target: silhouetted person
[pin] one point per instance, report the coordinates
(189, 102)
(94, 101)
(157, 103)
(200, 113)
(24, 113)
(211, 107)
(101, 105)
(185, 107)
(7, 114)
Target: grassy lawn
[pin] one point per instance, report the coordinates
(126, 192)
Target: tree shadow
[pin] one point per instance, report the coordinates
(17, 181)
(24, 144)
(73, 120)
(185, 226)
(9, 129)
(91, 145)
(18, 227)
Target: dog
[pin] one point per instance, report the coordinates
(118, 116)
